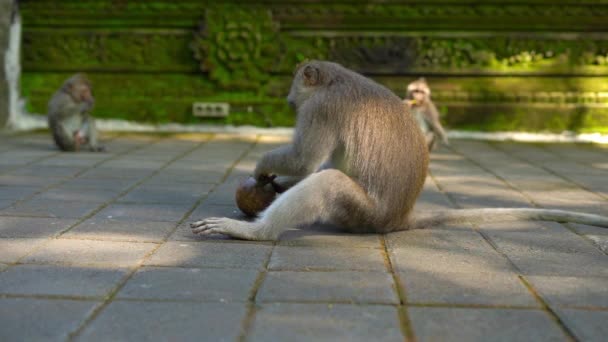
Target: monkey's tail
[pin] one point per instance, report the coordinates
(487, 215)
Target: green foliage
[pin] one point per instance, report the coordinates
(492, 65)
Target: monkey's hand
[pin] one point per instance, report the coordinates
(234, 228)
(410, 103)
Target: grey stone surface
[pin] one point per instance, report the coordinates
(327, 236)
(460, 282)
(30, 227)
(4, 203)
(144, 212)
(18, 180)
(147, 321)
(439, 250)
(174, 193)
(25, 319)
(17, 192)
(207, 254)
(320, 259)
(48, 171)
(12, 250)
(323, 322)
(338, 287)
(103, 172)
(461, 288)
(551, 251)
(456, 324)
(121, 230)
(51, 208)
(172, 175)
(193, 284)
(90, 253)
(80, 195)
(59, 280)
(588, 326)
(572, 291)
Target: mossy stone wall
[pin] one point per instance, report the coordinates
(493, 65)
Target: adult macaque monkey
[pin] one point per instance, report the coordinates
(72, 126)
(418, 99)
(379, 159)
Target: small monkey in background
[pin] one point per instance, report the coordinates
(418, 99)
(69, 117)
(362, 164)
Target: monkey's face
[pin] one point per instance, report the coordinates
(306, 80)
(418, 91)
(418, 95)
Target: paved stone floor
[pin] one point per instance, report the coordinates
(95, 247)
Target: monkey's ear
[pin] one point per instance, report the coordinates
(311, 75)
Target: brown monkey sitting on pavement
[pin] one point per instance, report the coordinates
(72, 126)
(378, 164)
(418, 99)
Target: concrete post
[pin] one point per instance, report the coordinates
(8, 78)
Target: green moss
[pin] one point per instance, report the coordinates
(150, 60)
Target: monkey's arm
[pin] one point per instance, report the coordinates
(432, 118)
(312, 144)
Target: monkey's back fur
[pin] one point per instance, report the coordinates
(383, 148)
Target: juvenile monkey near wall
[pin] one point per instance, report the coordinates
(362, 161)
(69, 117)
(418, 99)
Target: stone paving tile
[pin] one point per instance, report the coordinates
(90, 253)
(174, 193)
(468, 288)
(25, 319)
(327, 236)
(30, 227)
(337, 286)
(144, 212)
(6, 203)
(194, 284)
(12, 250)
(171, 176)
(120, 230)
(19, 180)
(325, 258)
(572, 291)
(50, 208)
(323, 322)
(444, 251)
(74, 159)
(59, 280)
(588, 326)
(207, 254)
(223, 194)
(84, 184)
(547, 249)
(80, 195)
(49, 171)
(147, 321)
(455, 324)
(103, 172)
(17, 192)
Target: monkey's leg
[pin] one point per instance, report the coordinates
(327, 196)
(90, 130)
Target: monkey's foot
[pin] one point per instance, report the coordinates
(230, 227)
